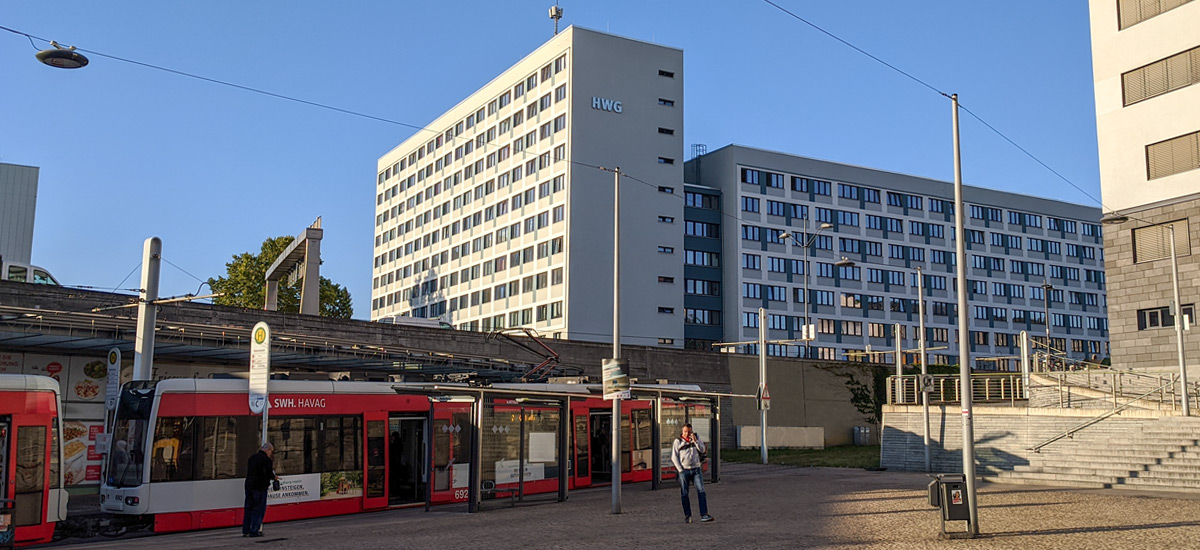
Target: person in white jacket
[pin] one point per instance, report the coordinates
(685, 453)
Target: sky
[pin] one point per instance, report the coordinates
(128, 152)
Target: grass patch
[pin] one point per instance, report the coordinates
(844, 456)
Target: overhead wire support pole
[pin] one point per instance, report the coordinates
(964, 333)
(616, 405)
(924, 368)
(762, 380)
(1177, 311)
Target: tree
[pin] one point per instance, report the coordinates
(244, 284)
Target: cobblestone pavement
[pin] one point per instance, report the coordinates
(755, 507)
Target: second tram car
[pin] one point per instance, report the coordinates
(179, 448)
(31, 476)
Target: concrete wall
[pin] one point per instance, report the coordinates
(1002, 434)
(803, 394)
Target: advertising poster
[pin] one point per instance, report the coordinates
(12, 363)
(86, 380)
(81, 462)
(293, 489)
(341, 485)
(615, 375)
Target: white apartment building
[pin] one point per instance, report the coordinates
(1146, 64)
(500, 213)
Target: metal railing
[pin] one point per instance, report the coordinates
(1119, 387)
(985, 388)
(1097, 419)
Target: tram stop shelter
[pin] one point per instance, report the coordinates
(515, 441)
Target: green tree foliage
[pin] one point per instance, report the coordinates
(244, 284)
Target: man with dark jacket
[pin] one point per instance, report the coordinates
(259, 475)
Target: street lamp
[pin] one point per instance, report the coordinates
(808, 240)
(1047, 288)
(846, 262)
(62, 58)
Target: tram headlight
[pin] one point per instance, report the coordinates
(131, 501)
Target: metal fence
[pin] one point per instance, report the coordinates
(943, 388)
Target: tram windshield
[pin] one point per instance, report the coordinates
(125, 461)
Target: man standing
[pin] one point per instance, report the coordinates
(685, 453)
(259, 475)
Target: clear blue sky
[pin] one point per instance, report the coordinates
(128, 152)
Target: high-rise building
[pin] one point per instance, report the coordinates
(480, 218)
(1021, 250)
(18, 203)
(1146, 62)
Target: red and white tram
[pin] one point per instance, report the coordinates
(180, 448)
(30, 458)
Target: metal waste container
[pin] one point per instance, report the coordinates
(949, 492)
(862, 435)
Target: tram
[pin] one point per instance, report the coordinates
(30, 458)
(179, 448)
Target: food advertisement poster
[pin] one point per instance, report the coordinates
(81, 462)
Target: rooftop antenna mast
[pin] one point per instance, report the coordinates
(556, 14)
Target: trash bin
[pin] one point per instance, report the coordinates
(949, 492)
(862, 435)
(8, 527)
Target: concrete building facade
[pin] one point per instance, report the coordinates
(1146, 62)
(890, 224)
(479, 219)
(18, 203)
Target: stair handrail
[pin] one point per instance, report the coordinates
(1097, 419)
(1061, 376)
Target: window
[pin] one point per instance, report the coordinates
(666, 160)
(749, 204)
(666, 131)
(667, 74)
(1172, 156)
(751, 261)
(1161, 317)
(751, 233)
(1162, 76)
(1132, 12)
(1153, 242)
(702, 317)
(666, 250)
(666, 102)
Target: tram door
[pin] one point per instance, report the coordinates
(601, 447)
(406, 460)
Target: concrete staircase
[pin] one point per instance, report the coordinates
(1160, 454)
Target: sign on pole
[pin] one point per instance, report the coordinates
(260, 367)
(112, 392)
(616, 379)
(764, 398)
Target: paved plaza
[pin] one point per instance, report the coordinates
(755, 507)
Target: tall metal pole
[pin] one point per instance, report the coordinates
(899, 351)
(143, 349)
(964, 333)
(1177, 311)
(924, 368)
(616, 407)
(805, 333)
(1046, 288)
(762, 379)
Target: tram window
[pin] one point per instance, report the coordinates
(625, 433)
(582, 459)
(54, 453)
(295, 441)
(643, 444)
(342, 445)
(30, 470)
(173, 454)
(226, 444)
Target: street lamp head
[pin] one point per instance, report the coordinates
(1113, 218)
(827, 226)
(63, 58)
(844, 262)
(785, 235)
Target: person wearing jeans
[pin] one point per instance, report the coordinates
(259, 475)
(685, 453)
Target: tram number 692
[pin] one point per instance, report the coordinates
(460, 494)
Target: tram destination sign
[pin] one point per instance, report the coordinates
(260, 366)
